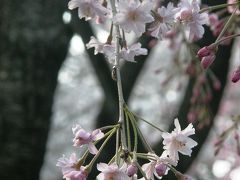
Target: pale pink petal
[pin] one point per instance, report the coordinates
(97, 134)
(92, 148)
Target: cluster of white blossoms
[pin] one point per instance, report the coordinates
(140, 17)
(178, 141)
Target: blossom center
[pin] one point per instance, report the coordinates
(133, 16)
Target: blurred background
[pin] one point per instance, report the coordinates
(48, 82)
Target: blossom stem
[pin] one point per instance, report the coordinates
(146, 144)
(108, 127)
(89, 167)
(229, 21)
(225, 39)
(140, 118)
(154, 126)
(119, 82)
(140, 169)
(146, 157)
(211, 8)
(117, 146)
(128, 132)
(81, 161)
(134, 131)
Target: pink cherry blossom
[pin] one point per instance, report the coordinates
(193, 20)
(69, 168)
(231, 9)
(153, 167)
(76, 175)
(178, 141)
(82, 137)
(112, 172)
(67, 164)
(164, 21)
(89, 9)
(133, 15)
(129, 53)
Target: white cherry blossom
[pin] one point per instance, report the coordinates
(112, 171)
(164, 21)
(129, 53)
(133, 15)
(178, 141)
(70, 170)
(106, 49)
(193, 20)
(89, 9)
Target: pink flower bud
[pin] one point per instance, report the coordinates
(236, 136)
(131, 170)
(213, 18)
(207, 61)
(161, 169)
(217, 85)
(218, 142)
(191, 116)
(181, 176)
(204, 52)
(236, 75)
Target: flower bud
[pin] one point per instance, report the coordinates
(131, 170)
(181, 176)
(207, 61)
(204, 52)
(191, 116)
(217, 85)
(236, 75)
(161, 169)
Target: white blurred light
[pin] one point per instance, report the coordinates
(76, 45)
(66, 17)
(221, 168)
(235, 174)
(171, 95)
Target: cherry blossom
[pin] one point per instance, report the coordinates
(89, 9)
(164, 21)
(69, 168)
(193, 20)
(132, 15)
(154, 167)
(178, 141)
(112, 171)
(231, 9)
(130, 52)
(82, 137)
(76, 175)
(105, 48)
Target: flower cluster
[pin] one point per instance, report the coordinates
(140, 17)
(178, 141)
(71, 167)
(183, 21)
